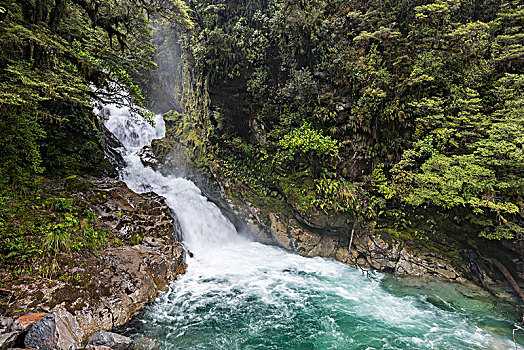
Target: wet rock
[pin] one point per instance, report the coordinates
(148, 158)
(97, 347)
(127, 213)
(362, 262)
(446, 273)
(253, 217)
(111, 340)
(145, 343)
(262, 235)
(23, 323)
(105, 113)
(306, 241)
(8, 340)
(58, 330)
(279, 232)
(110, 287)
(113, 148)
(327, 247)
(342, 254)
(132, 277)
(368, 250)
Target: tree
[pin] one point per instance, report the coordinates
(57, 57)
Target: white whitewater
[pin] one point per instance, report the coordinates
(239, 294)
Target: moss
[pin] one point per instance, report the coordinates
(173, 116)
(76, 184)
(299, 190)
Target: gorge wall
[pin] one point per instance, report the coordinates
(301, 115)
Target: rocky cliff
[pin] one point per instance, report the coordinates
(319, 234)
(303, 116)
(105, 288)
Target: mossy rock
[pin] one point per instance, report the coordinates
(76, 184)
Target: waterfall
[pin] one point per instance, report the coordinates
(239, 294)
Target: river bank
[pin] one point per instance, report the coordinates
(105, 288)
(239, 293)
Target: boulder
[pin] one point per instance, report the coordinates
(145, 343)
(23, 323)
(56, 331)
(148, 158)
(111, 340)
(8, 340)
(5, 323)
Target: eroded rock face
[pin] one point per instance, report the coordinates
(58, 330)
(129, 278)
(125, 212)
(368, 251)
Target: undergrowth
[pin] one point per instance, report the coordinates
(40, 221)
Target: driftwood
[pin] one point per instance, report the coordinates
(515, 286)
(508, 276)
(353, 261)
(351, 242)
(476, 271)
(519, 328)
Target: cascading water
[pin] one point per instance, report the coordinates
(239, 294)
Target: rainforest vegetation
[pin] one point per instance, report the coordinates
(58, 60)
(384, 111)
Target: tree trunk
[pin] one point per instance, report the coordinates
(40, 11)
(508, 276)
(27, 10)
(57, 14)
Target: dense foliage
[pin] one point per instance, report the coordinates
(381, 111)
(58, 58)
(372, 108)
(39, 220)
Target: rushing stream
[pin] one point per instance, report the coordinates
(239, 294)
